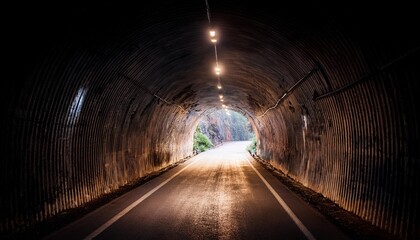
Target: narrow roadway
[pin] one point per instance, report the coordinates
(219, 194)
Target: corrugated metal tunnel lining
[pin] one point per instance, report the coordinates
(106, 93)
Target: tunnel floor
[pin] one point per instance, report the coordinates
(219, 194)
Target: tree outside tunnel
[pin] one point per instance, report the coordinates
(201, 142)
(222, 126)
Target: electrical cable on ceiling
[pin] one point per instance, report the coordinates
(214, 39)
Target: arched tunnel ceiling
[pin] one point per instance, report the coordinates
(164, 47)
(101, 93)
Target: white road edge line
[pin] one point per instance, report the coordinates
(289, 211)
(133, 205)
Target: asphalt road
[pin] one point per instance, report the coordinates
(219, 194)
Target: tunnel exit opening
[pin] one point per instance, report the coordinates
(222, 126)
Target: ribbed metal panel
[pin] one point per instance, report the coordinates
(112, 92)
(356, 150)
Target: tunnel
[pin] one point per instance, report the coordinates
(96, 95)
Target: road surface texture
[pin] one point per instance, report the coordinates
(219, 194)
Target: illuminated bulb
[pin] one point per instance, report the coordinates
(213, 40)
(212, 33)
(222, 100)
(220, 96)
(217, 69)
(219, 86)
(223, 105)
